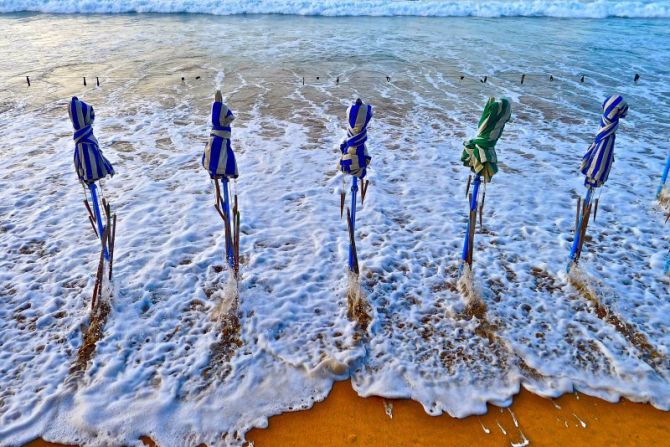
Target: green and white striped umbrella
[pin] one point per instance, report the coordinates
(479, 153)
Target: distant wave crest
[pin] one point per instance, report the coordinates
(423, 8)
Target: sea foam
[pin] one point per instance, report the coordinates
(425, 8)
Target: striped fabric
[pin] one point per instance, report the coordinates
(219, 158)
(89, 162)
(599, 157)
(355, 159)
(479, 153)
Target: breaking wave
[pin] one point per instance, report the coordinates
(422, 8)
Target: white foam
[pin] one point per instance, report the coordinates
(422, 8)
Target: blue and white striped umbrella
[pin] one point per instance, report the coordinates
(355, 158)
(219, 158)
(597, 161)
(89, 162)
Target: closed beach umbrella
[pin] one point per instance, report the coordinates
(219, 158)
(91, 165)
(355, 158)
(597, 161)
(479, 154)
(354, 161)
(89, 162)
(219, 161)
(596, 166)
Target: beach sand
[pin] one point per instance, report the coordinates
(574, 419)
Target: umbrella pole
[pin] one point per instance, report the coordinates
(226, 211)
(580, 231)
(353, 262)
(98, 216)
(664, 178)
(466, 257)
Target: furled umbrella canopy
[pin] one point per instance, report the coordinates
(355, 158)
(597, 161)
(89, 162)
(219, 158)
(479, 153)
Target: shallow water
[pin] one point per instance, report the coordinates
(152, 372)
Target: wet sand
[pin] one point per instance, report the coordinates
(574, 419)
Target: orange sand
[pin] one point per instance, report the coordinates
(344, 419)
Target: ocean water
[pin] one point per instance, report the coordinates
(182, 358)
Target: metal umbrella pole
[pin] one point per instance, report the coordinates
(468, 243)
(98, 219)
(351, 221)
(583, 213)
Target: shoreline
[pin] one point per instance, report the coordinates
(344, 418)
